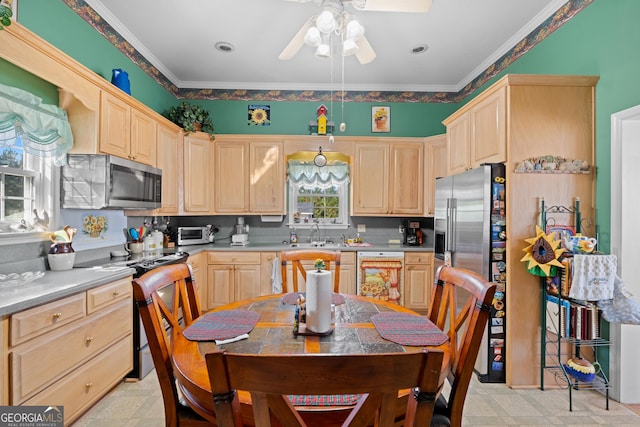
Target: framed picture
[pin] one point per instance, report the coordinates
(380, 119)
(13, 4)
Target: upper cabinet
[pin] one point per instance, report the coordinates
(477, 132)
(436, 166)
(249, 176)
(169, 160)
(198, 158)
(388, 178)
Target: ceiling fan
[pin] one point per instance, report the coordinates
(334, 20)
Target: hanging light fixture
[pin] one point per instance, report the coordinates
(333, 19)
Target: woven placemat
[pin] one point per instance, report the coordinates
(324, 400)
(408, 329)
(292, 297)
(221, 325)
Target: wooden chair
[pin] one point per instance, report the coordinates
(296, 257)
(168, 302)
(375, 378)
(460, 306)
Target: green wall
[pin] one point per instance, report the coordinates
(602, 40)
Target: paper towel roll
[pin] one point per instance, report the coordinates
(319, 286)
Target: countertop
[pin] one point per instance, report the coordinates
(53, 285)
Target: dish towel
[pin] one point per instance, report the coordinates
(276, 277)
(623, 308)
(593, 277)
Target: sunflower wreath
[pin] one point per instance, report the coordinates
(543, 254)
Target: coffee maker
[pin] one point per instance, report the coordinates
(241, 234)
(412, 233)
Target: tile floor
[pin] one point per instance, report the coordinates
(140, 404)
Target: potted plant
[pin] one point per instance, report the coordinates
(5, 16)
(191, 118)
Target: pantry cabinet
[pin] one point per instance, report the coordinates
(249, 176)
(418, 280)
(477, 132)
(126, 131)
(197, 176)
(87, 340)
(388, 178)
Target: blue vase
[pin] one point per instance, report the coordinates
(120, 78)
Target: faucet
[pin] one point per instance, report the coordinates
(315, 229)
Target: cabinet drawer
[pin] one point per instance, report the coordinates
(234, 257)
(108, 294)
(38, 363)
(80, 389)
(44, 318)
(418, 258)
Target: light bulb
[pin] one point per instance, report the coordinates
(313, 37)
(326, 22)
(349, 47)
(323, 51)
(355, 31)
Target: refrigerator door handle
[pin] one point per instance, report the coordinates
(451, 235)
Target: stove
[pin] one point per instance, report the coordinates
(142, 360)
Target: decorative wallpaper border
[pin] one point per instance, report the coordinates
(562, 15)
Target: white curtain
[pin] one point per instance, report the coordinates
(308, 175)
(43, 129)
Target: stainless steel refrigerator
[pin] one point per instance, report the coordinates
(470, 233)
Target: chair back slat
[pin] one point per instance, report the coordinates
(375, 378)
(460, 307)
(296, 257)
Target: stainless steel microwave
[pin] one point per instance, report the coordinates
(100, 181)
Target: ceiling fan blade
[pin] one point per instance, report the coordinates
(296, 42)
(393, 5)
(365, 52)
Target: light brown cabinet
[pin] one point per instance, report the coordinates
(418, 279)
(126, 131)
(249, 176)
(476, 133)
(197, 176)
(232, 276)
(347, 273)
(199, 269)
(436, 166)
(388, 178)
(87, 340)
(169, 160)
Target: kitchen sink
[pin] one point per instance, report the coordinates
(317, 245)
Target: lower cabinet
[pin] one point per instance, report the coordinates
(418, 280)
(71, 352)
(232, 276)
(347, 273)
(199, 269)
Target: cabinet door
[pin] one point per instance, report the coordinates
(407, 179)
(219, 285)
(200, 276)
(197, 173)
(169, 154)
(266, 269)
(436, 166)
(246, 281)
(267, 178)
(458, 140)
(231, 177)
(144, 136)
(370, 182)
(115, 126)
(418, 279)
(488, 130)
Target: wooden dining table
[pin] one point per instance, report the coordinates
(352, 333)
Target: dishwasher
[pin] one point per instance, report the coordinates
(381, 276)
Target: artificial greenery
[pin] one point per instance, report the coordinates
(5, 15)
(186, 115)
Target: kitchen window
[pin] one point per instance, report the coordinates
(318, 195)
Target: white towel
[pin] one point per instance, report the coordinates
(276, 277)
(593, 277)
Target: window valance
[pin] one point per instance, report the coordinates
(43, 129)
(307, 174)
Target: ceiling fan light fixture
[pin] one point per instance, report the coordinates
(312, 37)
(326, 22)
(354, 30)
(349, 47)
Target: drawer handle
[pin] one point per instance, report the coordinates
(89, 340)
(89, 384)
(116, 293)
(57, 315)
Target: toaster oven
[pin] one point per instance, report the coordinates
(195, 235)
